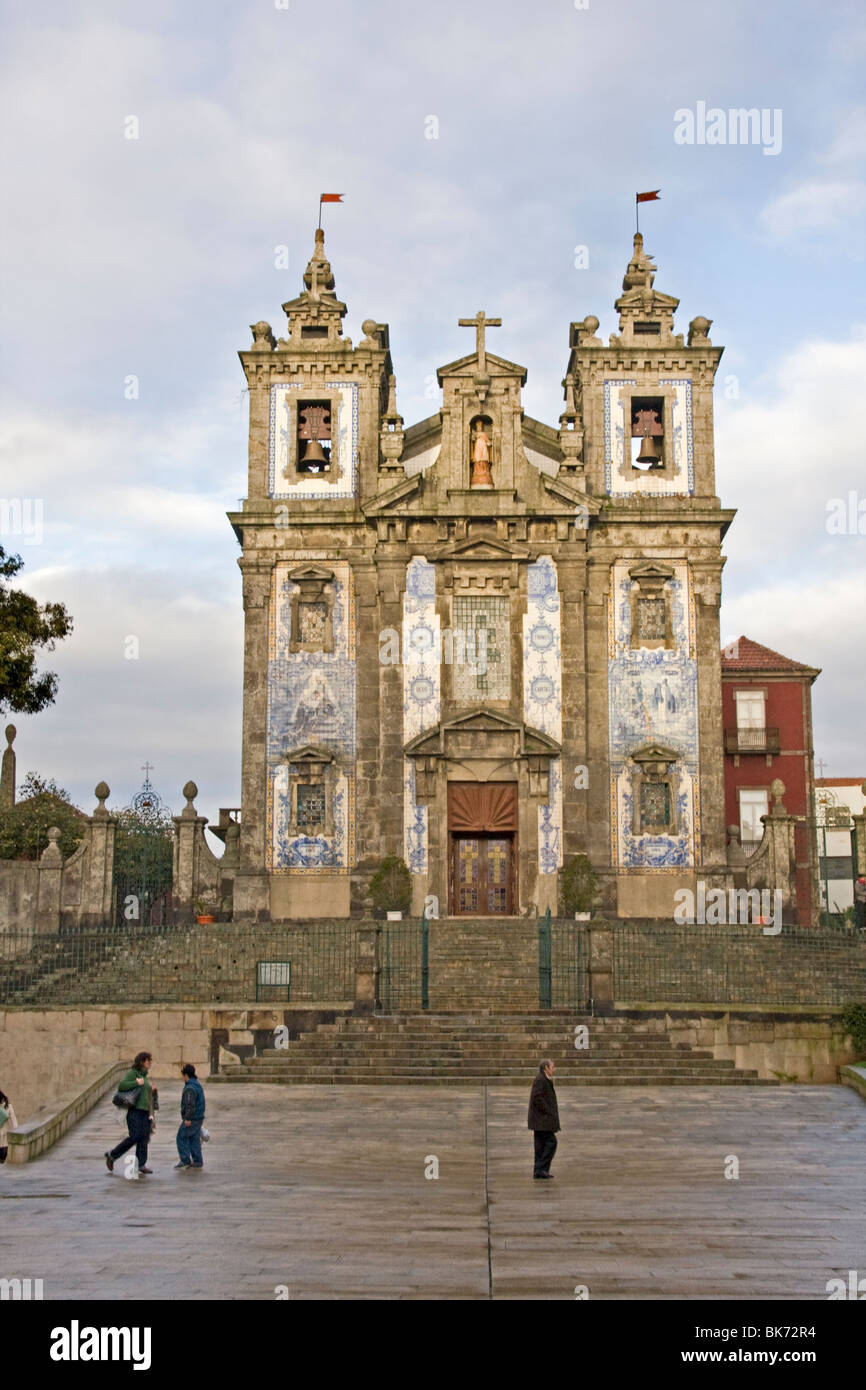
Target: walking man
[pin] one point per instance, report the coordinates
(544, 1118)
(139, 1119)
(192, 1106)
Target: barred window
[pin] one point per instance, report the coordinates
(651, 613)
(655, 803)
(311, 804)
(312, 618)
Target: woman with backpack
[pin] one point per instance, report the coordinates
(139, 1117)
(7, 1122)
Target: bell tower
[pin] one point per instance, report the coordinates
(317, 408)
(644, 404)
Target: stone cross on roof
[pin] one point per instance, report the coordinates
(479, 323)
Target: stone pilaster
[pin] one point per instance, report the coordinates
(251, 895)
(98, 880)
(50, 884)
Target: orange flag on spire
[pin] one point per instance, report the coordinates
(330, 197)
(647, 197)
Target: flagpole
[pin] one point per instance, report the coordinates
(636, 215)
(320, 212)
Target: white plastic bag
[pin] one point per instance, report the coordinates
(205, 1134)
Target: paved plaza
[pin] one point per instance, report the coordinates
(322, 1190)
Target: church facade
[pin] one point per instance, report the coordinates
(481, 642)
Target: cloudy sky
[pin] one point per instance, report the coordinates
(132, 268)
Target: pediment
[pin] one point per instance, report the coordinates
(485, 728)
(392, 496)
(495, 366)
(309, 754)
(558, 487)
(476, 548)
(655, 753)
(651, 569)
(317, 572)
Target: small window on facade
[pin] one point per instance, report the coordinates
(754, 803)
(314, 332)
(647, 432)
(314, 436)
(655, 803)
(651, 618)
(311, 805)
(648, 328)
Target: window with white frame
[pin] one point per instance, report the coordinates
(754, 803)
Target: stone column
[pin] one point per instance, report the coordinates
(98, 880)
(366, 966)
(781, 858)
(7, 772)
(50, 882)
(601, 981)
(188, 880)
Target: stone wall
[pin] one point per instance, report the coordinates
(46, 1053)
(19, 891)
(793, 1045)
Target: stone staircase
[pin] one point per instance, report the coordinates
(484, 962)
(465, 1050)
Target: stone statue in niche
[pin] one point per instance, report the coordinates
(480, 441)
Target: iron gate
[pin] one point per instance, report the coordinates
(402, 954)
(563, 975)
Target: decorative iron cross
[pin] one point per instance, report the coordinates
(147, 769)
(479, 323)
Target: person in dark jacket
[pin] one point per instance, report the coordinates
(192, 1107)
(543, 1118)
(139, 1120)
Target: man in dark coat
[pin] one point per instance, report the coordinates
(544, 1119)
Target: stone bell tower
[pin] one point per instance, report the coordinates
(644, 404)
(317, 406)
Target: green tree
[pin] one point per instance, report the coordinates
(24, 827)
(26, 625)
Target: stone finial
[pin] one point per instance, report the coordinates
(51, 856)
(640, 272)
(317, 276)
(263, 338)
(777, 791)
(190, 791)
(698, 331)
(589, 331)
(7, 769)
(101, 791)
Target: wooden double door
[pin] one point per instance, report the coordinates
(482, 824)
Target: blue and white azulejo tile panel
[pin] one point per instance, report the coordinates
(653, 698)
(542, 695)
(344, 445)
(422, 692)
(311, 700)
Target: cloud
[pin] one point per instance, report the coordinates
(816, 206)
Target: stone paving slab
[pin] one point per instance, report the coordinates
(323, 1191)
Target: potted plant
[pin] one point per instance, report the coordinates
(204, 911)
(391, 887)
(578, 887)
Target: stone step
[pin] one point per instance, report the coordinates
(620, 1079)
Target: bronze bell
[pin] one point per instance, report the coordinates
(314, 453)
(650, 451)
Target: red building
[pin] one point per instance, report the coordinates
(767, 717)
